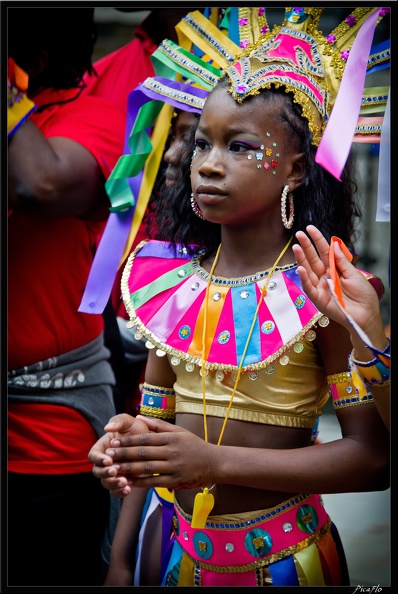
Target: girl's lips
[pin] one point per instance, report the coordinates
(210, 199)
(209, 190)
(170, 175)
(210, 194)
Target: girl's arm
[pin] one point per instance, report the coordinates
(356, 463)
(124, 543)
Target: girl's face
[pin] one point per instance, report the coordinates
(242, 160)
(180, 128)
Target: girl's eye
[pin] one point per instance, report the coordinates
(200, 144)
(240, 147)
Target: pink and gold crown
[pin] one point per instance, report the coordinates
(298, 57)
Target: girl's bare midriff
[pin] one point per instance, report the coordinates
(229, 499)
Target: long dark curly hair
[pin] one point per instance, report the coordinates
(322, 200)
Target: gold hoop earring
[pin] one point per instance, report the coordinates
(287, 223)
(195, 207)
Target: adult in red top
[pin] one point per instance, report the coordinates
(60, 380)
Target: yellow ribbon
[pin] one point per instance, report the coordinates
(159, 137)
(188, 35)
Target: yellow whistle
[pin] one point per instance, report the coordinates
(204, 503)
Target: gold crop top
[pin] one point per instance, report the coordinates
(290, 392)
(282, 379)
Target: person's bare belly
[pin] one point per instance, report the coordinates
(229, 499)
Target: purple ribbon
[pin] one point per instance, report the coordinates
(110, 249)
(106, 262)
(111, 246)
(336, 141)
(384, 176)
(167, 531)
(177, 86)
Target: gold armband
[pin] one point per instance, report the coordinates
(157, 401)
(348, 389)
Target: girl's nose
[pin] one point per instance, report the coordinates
(171, 155)
(211, 163)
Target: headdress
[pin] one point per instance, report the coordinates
(298, 57)
(325, 74)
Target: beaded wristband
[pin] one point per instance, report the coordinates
(347, 389)
(157, 401)
(374, 372)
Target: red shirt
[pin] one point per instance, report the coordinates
(122, 70)
(49, 262)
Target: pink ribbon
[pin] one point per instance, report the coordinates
(336, 141)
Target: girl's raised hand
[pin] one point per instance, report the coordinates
(360, 298)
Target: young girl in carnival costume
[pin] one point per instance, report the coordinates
(238, 351)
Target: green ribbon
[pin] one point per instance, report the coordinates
(165, 63)
(225, 20)
(140, 145)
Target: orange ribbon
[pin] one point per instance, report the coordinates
(17, 77)
(332, 267)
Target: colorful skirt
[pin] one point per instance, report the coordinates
(292, 544)
(156, 498)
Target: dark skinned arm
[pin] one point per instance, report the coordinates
(55, 177)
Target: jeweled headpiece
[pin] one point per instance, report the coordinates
(325, 74)
(298, 57)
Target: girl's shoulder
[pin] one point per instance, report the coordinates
(152, 268)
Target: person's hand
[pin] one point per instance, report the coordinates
(360, 298)
(104, 467)
(161, 457)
